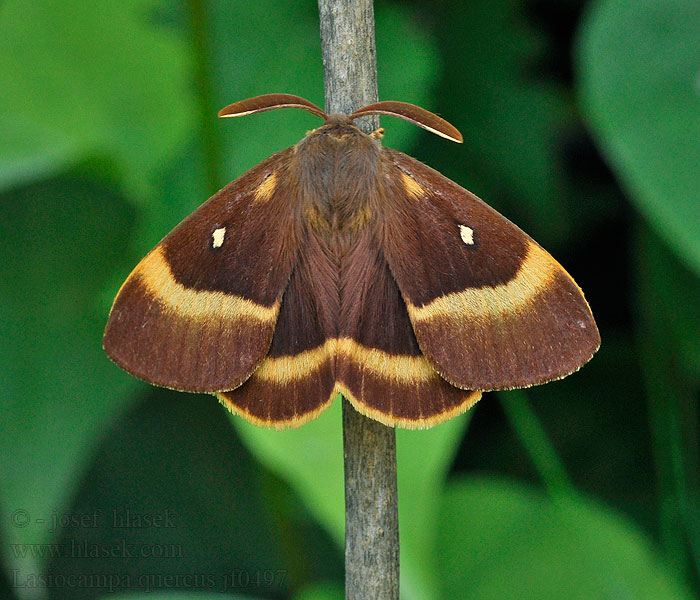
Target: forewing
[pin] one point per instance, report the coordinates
(490, 308)
(380, 368)
(198, 312)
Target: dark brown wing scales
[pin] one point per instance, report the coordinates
(198, 313)
(380, 368)
(490, 308)
(294, 383)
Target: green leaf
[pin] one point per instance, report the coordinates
(503, 540)
(640, 88)
(403, 74)
(81, 79)
(311, 460)
(424, 459)
(61, 241)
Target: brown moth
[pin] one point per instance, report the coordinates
(339, 266)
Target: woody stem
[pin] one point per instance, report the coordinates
(371, 504)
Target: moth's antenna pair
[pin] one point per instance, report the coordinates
(403, 110)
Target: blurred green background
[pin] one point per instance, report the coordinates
(581, 123)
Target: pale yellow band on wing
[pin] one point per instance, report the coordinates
(535, 274)
(283, 369)
(155, 274)
(402, 369)
(264, 191)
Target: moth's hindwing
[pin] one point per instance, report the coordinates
(198, 312)
(380, 368)
(295, 381)
(490, 308)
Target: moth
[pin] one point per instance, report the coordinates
(341, 266)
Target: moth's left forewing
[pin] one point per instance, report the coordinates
(490, 308)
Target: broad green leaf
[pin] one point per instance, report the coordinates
(424, 459)
(503, 540)
(81, 79)
(59, 392)
(408, 65)
(29, 152)
(640, 87)
(311, 460)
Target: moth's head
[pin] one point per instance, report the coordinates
(403, 110)
(337, 126)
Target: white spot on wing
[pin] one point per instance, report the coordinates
(467, 235)
(217, 238)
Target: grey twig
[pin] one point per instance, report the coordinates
(371, 506)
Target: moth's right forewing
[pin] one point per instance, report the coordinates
(490, 308)
(198, 312)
